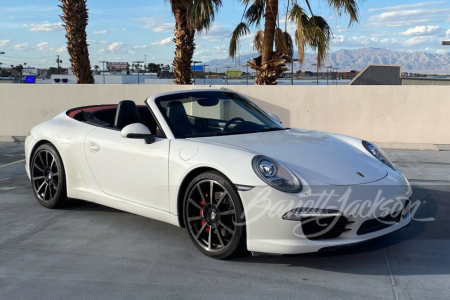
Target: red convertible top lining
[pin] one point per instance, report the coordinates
(93, 108)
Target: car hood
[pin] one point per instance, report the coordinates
(315, 154)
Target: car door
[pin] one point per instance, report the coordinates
(129, 169)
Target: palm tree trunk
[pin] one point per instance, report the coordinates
(268, 71)
(269, 30)
(75, 18)
(184, 44)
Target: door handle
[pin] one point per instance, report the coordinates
(93, 147)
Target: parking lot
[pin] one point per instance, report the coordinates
(88, 251)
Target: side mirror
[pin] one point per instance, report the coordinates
(277, 118)
(138, 131)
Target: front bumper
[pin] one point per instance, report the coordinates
(268, 232)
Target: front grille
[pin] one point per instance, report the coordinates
(324, 228)
(380, 223)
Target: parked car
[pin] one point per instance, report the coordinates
(214, 162)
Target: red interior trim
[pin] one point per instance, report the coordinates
(93, 108)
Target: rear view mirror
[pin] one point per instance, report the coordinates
(208, 102)
(138, 131)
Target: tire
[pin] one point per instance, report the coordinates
(216, 225)
(48, 180)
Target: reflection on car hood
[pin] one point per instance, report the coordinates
(315, 154)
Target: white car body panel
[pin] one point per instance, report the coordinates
(103, 167)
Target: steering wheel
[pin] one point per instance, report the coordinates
(231, 122)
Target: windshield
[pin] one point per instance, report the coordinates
(196, 114)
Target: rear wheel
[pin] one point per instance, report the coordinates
(48, 177)
(214, 216)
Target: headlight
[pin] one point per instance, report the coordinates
(378, 153)
(276, 175)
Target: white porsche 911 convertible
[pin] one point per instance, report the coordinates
(215, 163)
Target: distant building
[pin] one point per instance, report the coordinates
(117, 66)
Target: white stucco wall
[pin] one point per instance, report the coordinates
(394, 114)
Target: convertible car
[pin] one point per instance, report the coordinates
(215, 163)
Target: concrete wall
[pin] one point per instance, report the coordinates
(425, 81)
(394, 114)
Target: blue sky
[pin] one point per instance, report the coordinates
(127, 30)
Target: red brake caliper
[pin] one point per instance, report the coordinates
(201, 214)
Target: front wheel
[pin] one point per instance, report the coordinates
(48, 177)
(214, 216)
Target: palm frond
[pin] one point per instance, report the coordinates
(298, 15)
(255, 12)
(350, 7)
(318, 36)
(289, 44)
(241, 30)
(202, 13)
(280, 41)
(258, 41)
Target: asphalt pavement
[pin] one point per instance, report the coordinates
(89, 251)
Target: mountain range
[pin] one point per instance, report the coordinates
(347, 60)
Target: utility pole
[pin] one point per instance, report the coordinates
(329, 67)
(336, 75)
(292, 70)
(317, 73)
(103, 61)
(59, 62)
(137, 64)
(247, 72)
(195, 62)
(204, 74)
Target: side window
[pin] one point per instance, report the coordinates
(148, 120)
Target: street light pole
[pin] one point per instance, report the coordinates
(195, 62)
(145, 65)
(103, 62)
(444, 43)
(137, 63)
(336, 74)
(204, 74)
(247, 72)
(328, 67)
(317, 73)
(292, 70)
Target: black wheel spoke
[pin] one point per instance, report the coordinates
(211, 194)
(209, 239)
(55, 174)
(191, 219)
(227, 213)
(220, 238)
(201, 193)
(53, 161)
(45, 191)
(195, 204)
(226, 227)
(40, 158)
(50, 191)
(37, 167)
(40, 187)
(200, 231)
(221, 198)
(37, 178)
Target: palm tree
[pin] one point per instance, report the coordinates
(312, 31)
(190, 16)
(96, 68)
(75, 18)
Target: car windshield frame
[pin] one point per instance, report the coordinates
(270, 123)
